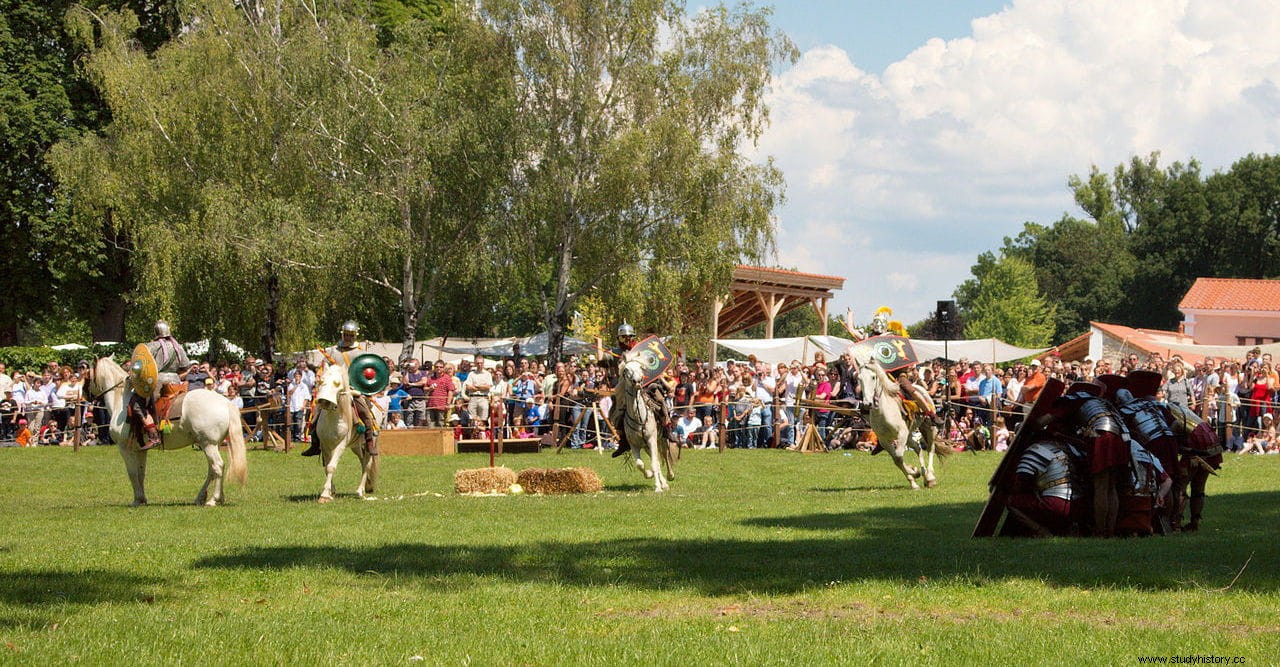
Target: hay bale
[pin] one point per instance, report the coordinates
(483, 480)
(555, 481)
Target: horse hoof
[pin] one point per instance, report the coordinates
(931, 483)
(648, 474)
(324, 499)
(139, 503)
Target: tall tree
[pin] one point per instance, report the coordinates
(1003, 301)
(632, 115)
(308, 162)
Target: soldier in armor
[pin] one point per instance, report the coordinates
(611, 360)
(341, 354)
(1200, 454)
(171, 372)
(655, 393)
(881, 325)
(1148, 420)
(1146, 490)
(1102, 429)
(1047, 484)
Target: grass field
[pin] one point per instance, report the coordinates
(755, 557)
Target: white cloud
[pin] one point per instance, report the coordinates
(898, 182)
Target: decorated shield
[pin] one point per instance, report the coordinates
(891, 352)
(368, 374)
(142, 371)
(654, 358)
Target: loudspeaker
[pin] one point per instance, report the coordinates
(946, 316)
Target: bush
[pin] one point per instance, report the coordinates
(36, 358)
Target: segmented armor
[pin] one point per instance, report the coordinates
(1094, 416)
(1146, 421)
(1050, 464)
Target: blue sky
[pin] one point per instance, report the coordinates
(916, 135)
(877, 32)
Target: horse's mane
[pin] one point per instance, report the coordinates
(106, 373)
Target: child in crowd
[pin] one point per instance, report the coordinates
(519, 428)
(49, 434)
(1001, 435)
(1264, 441)
(707, 437)
(23, 436)
(395, 421)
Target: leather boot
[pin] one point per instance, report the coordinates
(314, 448)
(1197, 506)
(150, 437)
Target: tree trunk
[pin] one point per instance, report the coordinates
(271, 325)
(558, 318)
(409, 307)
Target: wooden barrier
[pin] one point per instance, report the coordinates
(509, 446)
(417, 442)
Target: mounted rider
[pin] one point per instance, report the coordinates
(655, 393)
(153, 395)
(341, 355)
(881, 325)
(611, 359)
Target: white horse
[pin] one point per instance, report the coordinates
(881, 396)
(640, 426)
(335, 427)
(207, 420)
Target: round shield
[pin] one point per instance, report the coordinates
(368, 374)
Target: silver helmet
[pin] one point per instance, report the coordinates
(162, 329)
(626, 330)
(350, 327)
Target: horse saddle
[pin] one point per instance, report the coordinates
(910, 408)
(169, 405)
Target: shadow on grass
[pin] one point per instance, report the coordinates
(910, 546)
(47, 589)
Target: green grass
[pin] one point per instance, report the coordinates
(755, 557)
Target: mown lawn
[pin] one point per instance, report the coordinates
(755, 557)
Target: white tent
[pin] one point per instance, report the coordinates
(68, 346)
(537, 346)
(991, 350)
(778, 350)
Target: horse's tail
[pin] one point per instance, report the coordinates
(941, 446)
(239, 470)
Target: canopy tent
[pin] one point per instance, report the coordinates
(779, 350)
(68, 346)
(537, 346)
(991, 350)
(785, 350)
(534, 346)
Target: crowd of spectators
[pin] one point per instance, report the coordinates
(746, 404)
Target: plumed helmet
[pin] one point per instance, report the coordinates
(162, 328)
(626, 329)
(350, 327)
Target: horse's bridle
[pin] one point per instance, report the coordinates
(104, 392)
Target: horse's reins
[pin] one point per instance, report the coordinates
(104, 392)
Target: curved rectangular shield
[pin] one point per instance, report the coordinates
(142, 371)
(654, 357)
(891, 352)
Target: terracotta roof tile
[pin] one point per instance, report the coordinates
(1232, 294)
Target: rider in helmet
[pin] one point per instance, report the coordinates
(341, 354)
(610, 360)
(171, 372)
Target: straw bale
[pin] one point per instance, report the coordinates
(483, 480)
(555, 481)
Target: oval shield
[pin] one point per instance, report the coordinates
(142, 371)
